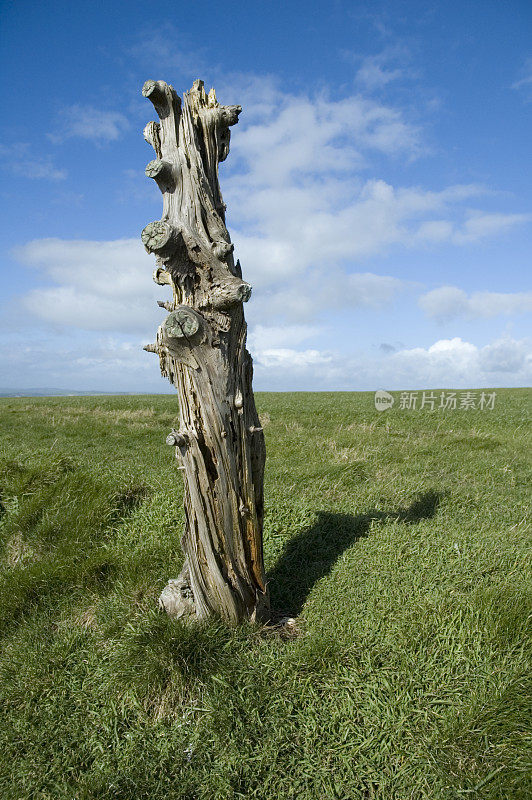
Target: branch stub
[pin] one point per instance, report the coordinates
(183, 323)
(155, 91)
(176, 439)
(157, 168)
(159, 237)
(162, 277)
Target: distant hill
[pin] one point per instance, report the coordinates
(54, 393)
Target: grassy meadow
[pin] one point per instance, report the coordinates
(398, 539)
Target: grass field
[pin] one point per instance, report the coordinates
(400, 541)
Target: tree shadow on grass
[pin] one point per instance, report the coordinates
(312, 553)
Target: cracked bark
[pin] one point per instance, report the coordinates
(202, 351)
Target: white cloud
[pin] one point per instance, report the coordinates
(119, 360)
(106, 286)
(87, 122)
(300, 205)
(294, 360)
(307, 297)
(101, 286)
(446, 362)
(262, 337)
(305, 215)
(301, 134)
(19, 159)
(377, 71)
(505, 355)
(480, 225)
(452, 363)
(84, 362)
(449, 302)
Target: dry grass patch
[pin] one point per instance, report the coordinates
(18, 551)
(85, 618)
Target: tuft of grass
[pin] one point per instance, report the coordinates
(399, 541)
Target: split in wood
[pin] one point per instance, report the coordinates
(183, 323)
(244, 510)
(152, 135)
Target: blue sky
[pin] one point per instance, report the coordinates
(378, 188)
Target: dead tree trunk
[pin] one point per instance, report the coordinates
(202, 350)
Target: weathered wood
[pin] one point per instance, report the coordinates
(202, 351)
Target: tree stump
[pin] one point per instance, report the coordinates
(202, 350)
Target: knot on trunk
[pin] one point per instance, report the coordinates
(228, 293)
(162, 277)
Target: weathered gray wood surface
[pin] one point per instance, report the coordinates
(202, 350)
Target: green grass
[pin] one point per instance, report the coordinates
(399, 539)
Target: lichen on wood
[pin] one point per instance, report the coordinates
(202, 351)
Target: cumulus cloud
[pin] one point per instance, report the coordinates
(293, 360)
(505, 355)
(461, 364)
(87, 122)
(106, 286)
(480, 225)
(306, 220)
(452, 363)
(308, 134)
(302, 216)
(264, 337)
(449, 360)
(98, 286)
(300, 203)
(307, 297)
(449, 302)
